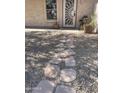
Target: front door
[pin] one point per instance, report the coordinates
(69, 13)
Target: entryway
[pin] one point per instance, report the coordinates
(69, 13)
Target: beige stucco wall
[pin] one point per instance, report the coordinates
(84, 7)
(59, 12)
(35, 13)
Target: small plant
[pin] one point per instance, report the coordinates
(89, 23)
(83, 21)
(93, 23)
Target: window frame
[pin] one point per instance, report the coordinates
(50, 20)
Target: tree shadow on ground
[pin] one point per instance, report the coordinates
(87, 66)
(40, 48)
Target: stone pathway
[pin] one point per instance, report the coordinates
(53, 69)
(60, 63)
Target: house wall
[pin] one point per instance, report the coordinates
(84, 7)
(35, 12)
(60, 12)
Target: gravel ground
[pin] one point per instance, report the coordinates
(41, 47)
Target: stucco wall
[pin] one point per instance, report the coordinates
(35, 12)
(59, 12)
(84, 7)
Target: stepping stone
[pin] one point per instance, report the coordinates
(44, 86)
(70, 61)
(64, 89)
(68, 75)
(51, 71)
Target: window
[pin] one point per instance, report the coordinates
(51, 9)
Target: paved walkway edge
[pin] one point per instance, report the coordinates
(30, 29)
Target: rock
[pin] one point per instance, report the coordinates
(70, 61)
(64, 89)
(51, 71)
(44, 86)
(68, 75)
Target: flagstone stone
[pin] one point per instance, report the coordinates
(68, 75)
(64, 89)
(51, 71)
(45, 86)
(70, 61)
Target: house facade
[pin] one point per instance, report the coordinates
(57, 13)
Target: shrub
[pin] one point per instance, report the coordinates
(89, 23)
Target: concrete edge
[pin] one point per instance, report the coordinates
(62, 30)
